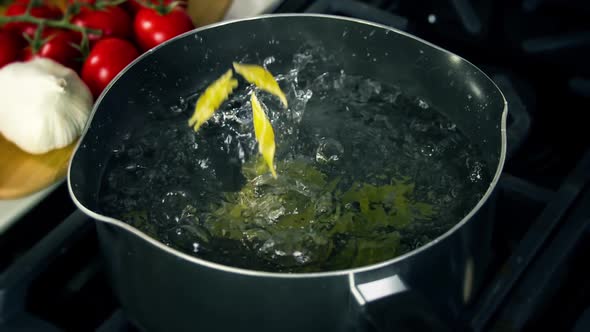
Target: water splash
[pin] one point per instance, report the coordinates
(163, 178)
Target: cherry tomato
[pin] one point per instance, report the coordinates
(58, 47)
(44, 10)
(132, 6)
(11, 46)
(108, 57)
(113, 21)
(152, 28)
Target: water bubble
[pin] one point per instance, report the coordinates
(267, 246)
(131, 167)
(422, 104)
(176, 109)
(275, 214)
(204, 163)
(118, 150)
(324, 204)
(428, 150)
(300, 257)
(301, 60)
(267, 61)
(367, 89)
(303, 95)
(241, 153)
(228, 140)
(329, 150)
(392, 97)
(476, 172)
(419, 126)
(135, 152)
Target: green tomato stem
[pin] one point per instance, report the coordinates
(160, 7)
(29, 7)
(100, 4)
(48, 23)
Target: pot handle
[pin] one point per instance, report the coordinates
(390, 304)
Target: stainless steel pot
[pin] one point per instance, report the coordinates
(162, 289)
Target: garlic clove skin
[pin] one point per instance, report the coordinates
(43, 105)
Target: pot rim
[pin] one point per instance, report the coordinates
(257, 273)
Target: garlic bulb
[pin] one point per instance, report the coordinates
(43, 105)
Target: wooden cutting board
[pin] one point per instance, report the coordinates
(204, 12)
(22, 174)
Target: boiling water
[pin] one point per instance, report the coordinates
(365, 173)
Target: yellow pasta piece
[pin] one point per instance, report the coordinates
(264, 134)
(212, 98)
(262, 78)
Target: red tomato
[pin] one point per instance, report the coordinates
(58, 47)
(45, 10)
(113, 21)
(132, 6)
(152, 28)
(108, 57)
(11, 46)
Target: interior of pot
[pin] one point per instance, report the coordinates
(386, 144)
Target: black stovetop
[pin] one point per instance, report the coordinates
(53, 279)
